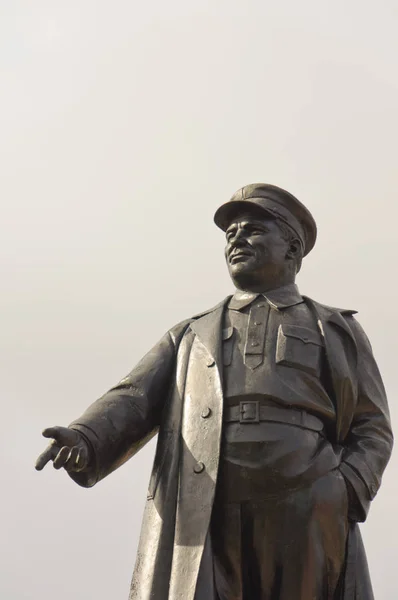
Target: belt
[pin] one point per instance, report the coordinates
(251, 411)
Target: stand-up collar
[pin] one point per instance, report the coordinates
(282, 297)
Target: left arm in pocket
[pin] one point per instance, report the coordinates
(369, 444)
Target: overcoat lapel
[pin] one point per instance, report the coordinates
(341, 355)
(151, 577)
(208, 329)
(200, 451)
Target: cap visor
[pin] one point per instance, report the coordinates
(231, 210)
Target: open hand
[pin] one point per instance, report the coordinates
(68, 449)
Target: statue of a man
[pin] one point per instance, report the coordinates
(273, 428)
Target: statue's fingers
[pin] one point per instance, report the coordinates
(82, 459)
(49, 453)
(71, 462)
(61, 457)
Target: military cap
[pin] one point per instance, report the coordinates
(266, 199)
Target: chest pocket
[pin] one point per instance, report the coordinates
(228, 345)
(299, 347)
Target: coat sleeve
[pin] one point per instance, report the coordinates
(369, 444)
(122, 421)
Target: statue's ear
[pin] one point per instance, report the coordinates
(294, 250)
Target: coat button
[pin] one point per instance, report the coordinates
(199, 467)
(206, 412)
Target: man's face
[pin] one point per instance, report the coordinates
(256, 252)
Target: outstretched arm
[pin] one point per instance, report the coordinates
(117, 425)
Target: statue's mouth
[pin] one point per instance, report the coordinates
(240, 255)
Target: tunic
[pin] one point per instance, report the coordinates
(277, 464)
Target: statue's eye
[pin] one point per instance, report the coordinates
(257, 231)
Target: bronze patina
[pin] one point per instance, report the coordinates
(273, 426)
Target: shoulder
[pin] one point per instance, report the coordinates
(345, 312)
(178, 330)
(210, 310)
(348, 315)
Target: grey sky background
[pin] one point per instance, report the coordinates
(124, 125)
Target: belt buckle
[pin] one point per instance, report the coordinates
(249, 412)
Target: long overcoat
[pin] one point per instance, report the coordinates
(176, 390)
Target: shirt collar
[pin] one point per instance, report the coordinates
(282, 297)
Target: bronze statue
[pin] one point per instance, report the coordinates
(273, 426)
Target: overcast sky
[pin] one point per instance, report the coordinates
(124, 125)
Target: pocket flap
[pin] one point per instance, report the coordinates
(227, 333)
(306, 335)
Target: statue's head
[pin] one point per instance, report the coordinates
(268, 233)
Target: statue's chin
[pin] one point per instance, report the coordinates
(243, 277)
(253, 280)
